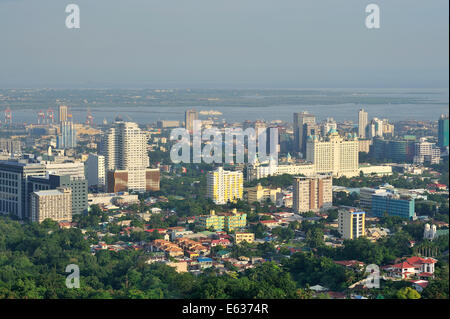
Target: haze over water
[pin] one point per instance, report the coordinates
(148, 105)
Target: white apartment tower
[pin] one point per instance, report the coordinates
(124, 147)
(363, 121)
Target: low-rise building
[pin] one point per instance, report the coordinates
(239, 237)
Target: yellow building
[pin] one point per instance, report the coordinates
(240, 237)
(261, 194)
(224, 186)
(351, 224)
(212, 220)
(234, 220)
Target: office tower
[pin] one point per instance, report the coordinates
(363, 121)
(301, 119)
(78, 186)
(426, 152)
(334, 154)
(309, 129)
(96, 170)
(67, 137)
(124, 147)
(443, 131)
(14, 189)
(55, 204)
(351, 223)
(312, 193)
(63, 113)
(391, 204)
(223, 186)
(189, 118)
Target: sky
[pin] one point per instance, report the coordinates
(224, 44)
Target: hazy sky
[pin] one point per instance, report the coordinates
(224, 43)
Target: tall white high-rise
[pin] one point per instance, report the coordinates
(124, 147)
(96, 170)
(362, 123)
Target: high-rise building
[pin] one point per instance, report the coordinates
(312, 193)
(224, 186)
(96, 170)
(378, 126)
(124, 147)
(363, 121)
(334, 154)
(67, 137)
(426, 152)
(351, 223)
(189, 118)
(63, 113)
(300, 119)
(55, 204)
(443, 131)
(309, 129)
(14, 188)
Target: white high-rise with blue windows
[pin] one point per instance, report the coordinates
(67, 137)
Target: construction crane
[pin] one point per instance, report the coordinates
(8, 116)
(41, 117)
(89, 117)
(50, 115)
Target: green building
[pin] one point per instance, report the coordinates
(443, 132)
